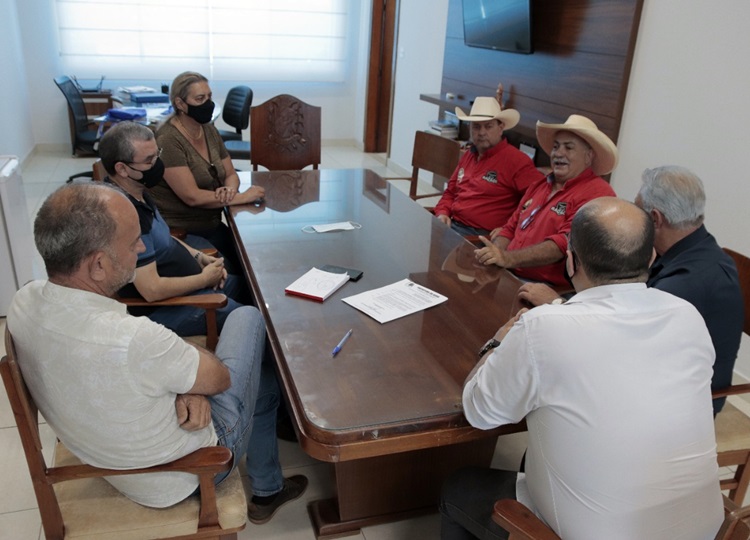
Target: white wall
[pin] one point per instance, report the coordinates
(16, 137)
(687, 105)
(419, 70)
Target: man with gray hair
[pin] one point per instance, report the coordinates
(690, 265)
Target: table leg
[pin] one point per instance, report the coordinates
(389, 488)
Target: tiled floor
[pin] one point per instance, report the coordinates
(19, 517)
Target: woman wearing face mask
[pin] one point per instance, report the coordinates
(199, 178)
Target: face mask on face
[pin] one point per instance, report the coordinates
(201, 113)
(152, 176)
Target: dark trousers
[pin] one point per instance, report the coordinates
(467, 502)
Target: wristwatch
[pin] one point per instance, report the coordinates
(491, 344)
(557, 301)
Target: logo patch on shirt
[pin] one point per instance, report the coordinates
(560, 208)
(490, 177)
(460, 175)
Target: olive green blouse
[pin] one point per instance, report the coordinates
(178, 152)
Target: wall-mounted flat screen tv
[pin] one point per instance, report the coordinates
(503, 25)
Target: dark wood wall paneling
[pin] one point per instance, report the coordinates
(581, 64)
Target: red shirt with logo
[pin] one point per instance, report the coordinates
(543, 217)
(485, 190)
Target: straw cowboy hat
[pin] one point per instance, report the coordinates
(605, 151)
(487, 108)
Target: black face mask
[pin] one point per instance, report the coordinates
(201, 113)
(567, 275)
(152, 176)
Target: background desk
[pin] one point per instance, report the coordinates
(387, 409)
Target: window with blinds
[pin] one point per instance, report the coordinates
(262, 40)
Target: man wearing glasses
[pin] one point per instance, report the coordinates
(533, 241)
(168, 267)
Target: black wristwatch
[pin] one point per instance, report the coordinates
(491, 344)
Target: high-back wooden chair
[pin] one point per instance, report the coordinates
(732, 425)
(435, 154)
(284, 134)
(76, 502)
(522, 524)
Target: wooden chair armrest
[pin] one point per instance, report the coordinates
(521, 522)
(204, 301)
(204, 462)
(731, 391)
(178, 233)
(210, 460)
(209, 302)
(212, 251)
(427, 195)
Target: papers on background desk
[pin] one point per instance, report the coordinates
(136, 89)
(395, 301)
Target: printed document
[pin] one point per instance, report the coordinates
(395, 301)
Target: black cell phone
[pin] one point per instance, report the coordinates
(354, 275)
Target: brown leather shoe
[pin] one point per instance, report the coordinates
(294, 487)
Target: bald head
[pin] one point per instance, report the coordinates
(74, 222)
(613, 240)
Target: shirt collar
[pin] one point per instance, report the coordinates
(586, 176)
(59, 294)
(494, 150)
(602, 291)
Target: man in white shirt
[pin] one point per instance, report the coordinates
(615, 388)
(124, 392)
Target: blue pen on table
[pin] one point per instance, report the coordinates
(337, 348)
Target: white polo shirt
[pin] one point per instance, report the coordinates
(615, 388)
(106, 383)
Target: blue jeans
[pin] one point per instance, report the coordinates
(244, 416)
(191, 321)
(466, 230)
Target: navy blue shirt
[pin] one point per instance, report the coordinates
(696, 269)
(171, 257)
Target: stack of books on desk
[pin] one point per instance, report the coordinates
(444, 129)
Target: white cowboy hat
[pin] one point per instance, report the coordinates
(487, 108)
(605, 151)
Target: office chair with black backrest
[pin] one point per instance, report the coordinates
(285, 134)
(84, 140)
(236, 113)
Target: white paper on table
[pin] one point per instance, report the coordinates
(395, 301)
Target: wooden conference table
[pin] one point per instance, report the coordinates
(387, 409)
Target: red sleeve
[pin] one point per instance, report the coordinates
(443, 207)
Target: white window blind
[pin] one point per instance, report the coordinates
(260, 40)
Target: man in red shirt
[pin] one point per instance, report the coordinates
(491, 177)
(533, 241)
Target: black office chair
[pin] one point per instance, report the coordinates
(236, 113)
(84, 140)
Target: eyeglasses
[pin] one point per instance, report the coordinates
(528, 219)
(151, 162)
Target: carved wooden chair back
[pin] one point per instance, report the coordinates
(284, 134)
